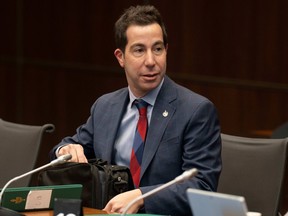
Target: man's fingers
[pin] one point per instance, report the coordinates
(76, 152)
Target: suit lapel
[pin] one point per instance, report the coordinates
(162, 113)
(114, 112)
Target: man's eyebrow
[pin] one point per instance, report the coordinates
(137, 44)
(158, 42)
(142, 45)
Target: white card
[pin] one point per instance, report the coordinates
(38, 199)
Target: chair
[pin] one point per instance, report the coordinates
(19, 146)
(280, 132)
(254, 168)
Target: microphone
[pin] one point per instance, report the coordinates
(184, 176)
(60, 160)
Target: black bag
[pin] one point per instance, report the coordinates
(100, 181)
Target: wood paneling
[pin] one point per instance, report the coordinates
(56, 58)
(243, 107)
(229, 39)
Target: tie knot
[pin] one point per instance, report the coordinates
(141, 106)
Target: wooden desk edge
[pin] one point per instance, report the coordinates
(50, 212)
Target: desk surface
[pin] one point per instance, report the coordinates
(50, 212)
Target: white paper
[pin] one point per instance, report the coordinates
(38, 199)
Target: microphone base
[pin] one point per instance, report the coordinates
(9, 212)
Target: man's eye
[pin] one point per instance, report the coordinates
(158, 50)
(138, 51)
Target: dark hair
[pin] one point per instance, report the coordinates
(137, 15)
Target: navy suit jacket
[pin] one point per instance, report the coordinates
(188, 137)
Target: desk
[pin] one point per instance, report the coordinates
(50, 212)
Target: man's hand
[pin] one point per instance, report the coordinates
(118, 203)
(76, 151)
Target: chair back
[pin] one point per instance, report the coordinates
(19, 146)
(254, 168)
(280, 132)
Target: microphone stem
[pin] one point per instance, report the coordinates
(184, 176)
(21, 176)
(148, 194)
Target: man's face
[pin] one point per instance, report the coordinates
(144, 60)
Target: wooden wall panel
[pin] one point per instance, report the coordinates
(71, 31)
(66, 96)
(56, 58)
(8, 25)
(233, 39)
(8, 92)
(243, 109)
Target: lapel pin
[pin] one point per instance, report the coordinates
(165, 113)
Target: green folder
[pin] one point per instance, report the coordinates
(40, 197)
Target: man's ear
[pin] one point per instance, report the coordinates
(119, 56)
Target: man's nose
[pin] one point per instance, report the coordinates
(150, 59)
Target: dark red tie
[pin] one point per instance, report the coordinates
(139, 140)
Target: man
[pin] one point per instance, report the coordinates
(183, 128)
